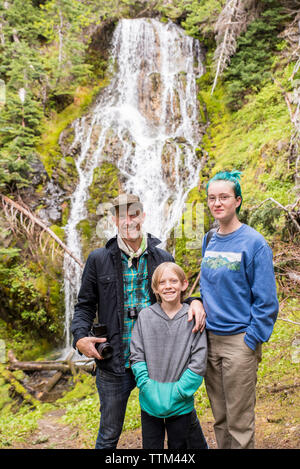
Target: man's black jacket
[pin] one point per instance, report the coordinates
(102, 290)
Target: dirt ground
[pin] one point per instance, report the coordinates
(277, 425)
(271, 433)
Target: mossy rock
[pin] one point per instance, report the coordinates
(105, 186)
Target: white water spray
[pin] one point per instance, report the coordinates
(150, 110)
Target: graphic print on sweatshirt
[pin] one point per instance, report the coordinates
(217, 259)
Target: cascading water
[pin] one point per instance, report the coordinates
(149, 111)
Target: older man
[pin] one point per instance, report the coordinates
(116, 283)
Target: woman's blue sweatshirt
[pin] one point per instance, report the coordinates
(238, 285)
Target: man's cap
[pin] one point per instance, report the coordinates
(125, 199)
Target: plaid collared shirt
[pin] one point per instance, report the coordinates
(136, 293)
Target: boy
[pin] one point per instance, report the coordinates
(168, 361)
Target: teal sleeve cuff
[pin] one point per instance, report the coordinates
(157, 398)
(189, 383)
(165, 399)
(140, 371)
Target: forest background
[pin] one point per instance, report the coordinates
(54, 62)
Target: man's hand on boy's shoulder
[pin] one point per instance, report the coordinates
(197, 313)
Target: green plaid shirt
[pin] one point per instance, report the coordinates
(136, 293)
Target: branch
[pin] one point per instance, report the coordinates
(194, 285)
(220, 61)
(6, 201)
(293, 219)
(232, 21)
(281, 388)
(288, 320)
(286, 98)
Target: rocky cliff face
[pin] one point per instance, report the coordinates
(140, 136)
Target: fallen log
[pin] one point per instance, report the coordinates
(50, 384)
(65, 367)
(18, 388)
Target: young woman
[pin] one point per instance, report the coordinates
(238, 291)
(168, 361)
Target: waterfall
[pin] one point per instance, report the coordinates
(148, 115)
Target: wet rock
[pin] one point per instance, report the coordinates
(52, 203)
(38, 172)
(150, 96)
(66, 140)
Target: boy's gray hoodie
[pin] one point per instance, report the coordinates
(168, 361)
(168, 346)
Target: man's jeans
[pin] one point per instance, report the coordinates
(114, 391)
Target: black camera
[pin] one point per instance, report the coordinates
(104, 348)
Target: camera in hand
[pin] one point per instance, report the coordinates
(104, 348)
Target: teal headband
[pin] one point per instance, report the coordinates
(234, 177)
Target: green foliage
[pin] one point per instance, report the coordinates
(20, 129)
(20, 117)
(250, 67)
(43, 62)
(17, 422)
(201, 16)
(255, 140)
(84, 412)
(48, 147)
(62, 24)
(266, 217)
(104, 187)
(278, 361)
(18, 285)
(30, 301)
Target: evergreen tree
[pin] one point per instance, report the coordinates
(42, 49)
(20, 69)
(63, 23)
(20, 128)
(250, 67)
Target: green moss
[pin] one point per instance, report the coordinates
(48, 147)
(65, 207)
(85, 228)
(104, 187)
(58, 231)
(189, 234)
(83, 386)
(41, 284)
(67, 173)
(18, 421)
(26, 344)
(278, 363)
(254, 139)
